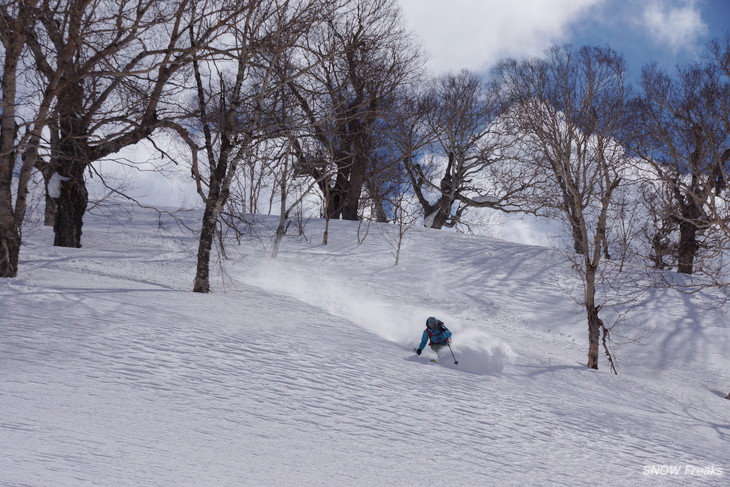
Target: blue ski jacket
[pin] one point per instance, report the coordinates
(438, 335)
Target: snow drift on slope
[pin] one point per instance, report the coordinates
(478, 352)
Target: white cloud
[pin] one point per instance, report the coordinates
(475, 34)
(676, 26)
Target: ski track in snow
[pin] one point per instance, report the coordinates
(111, 373)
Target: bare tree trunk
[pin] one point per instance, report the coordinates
(280, 232)
(9, 230)
(325, 235)
(72, 160)
(207, 232)
(12, 43)
(577, 236)
(687, 247)
(336, 197)
(283, 212)
(570, 212)
(326, 210)
(334, 205)
(9, 235)
(379, 210)
(442, 208)
(594, 325)
(223, 168)
(351, 206)
(71, 205)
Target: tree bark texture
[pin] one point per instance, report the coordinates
(594, 331)
(688, 244)
(71, 162)
(9, 237)
(9, 226)
(207, 232)
(71, 206)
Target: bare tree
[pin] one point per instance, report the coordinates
(570, 107)
(682, 132)
(401, 137)
(719, 207)
(13, 20)
(289, 185)
(472, 160)
(657, 198)
(404, 216)
(119, 66)
(231, 112)
(362, 56)
(20, 132)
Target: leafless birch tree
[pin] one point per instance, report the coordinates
(472, 161)
(362, 56)
(111, 66)
(571, 108)
(23, 115)
(231, 115)
(681, 131)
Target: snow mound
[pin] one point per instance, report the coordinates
(479, 353)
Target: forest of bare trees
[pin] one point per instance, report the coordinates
(330, 99)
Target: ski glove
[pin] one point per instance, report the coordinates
(419, 351)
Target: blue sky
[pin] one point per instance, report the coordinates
(475, 34)
(668, 32)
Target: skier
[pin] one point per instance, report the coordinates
(439, 335)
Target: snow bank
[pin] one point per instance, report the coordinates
(109, 375)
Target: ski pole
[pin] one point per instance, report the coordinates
(456, 362)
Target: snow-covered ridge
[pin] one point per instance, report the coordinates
(300, 370)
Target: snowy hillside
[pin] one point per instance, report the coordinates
(299, 371)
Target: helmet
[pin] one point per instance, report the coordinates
(431, 322)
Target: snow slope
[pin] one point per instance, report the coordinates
(299, 371)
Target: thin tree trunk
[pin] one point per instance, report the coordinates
(9, 237)
(328, 200)
(9, 230)
(9, 227)
(594, 323)
(594, 331)
(283, 213)
(207, 232)
(325, 235)
(280, 232)
(218, 193)
(380, 215)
